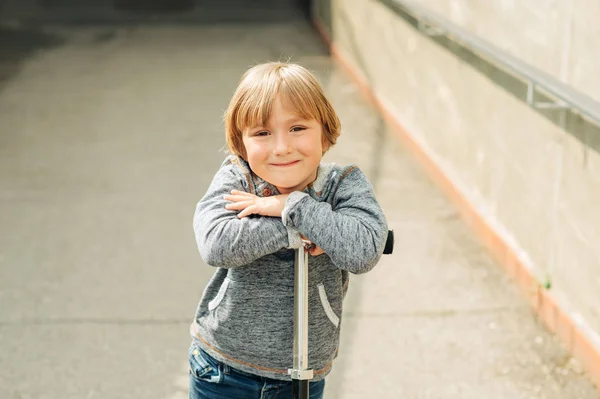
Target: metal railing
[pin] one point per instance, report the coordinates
(564, 96)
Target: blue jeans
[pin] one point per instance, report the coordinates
(211, 379)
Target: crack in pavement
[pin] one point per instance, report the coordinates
(87, 320)
(439, 313)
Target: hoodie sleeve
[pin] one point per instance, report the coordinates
(352, 231)
(223, 239)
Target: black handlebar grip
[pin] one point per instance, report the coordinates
(389, 243)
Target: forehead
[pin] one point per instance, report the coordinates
(280, 108)
(283, 110)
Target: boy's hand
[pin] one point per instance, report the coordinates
(250, 204)
(314, 249)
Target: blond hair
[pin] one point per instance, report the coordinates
(252, 101)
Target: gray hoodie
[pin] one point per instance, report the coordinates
(245, 315)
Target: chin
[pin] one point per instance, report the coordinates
(286, 186)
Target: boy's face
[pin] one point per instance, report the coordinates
(286, 152)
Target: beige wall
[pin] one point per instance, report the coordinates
(525, 174)
(561, 37)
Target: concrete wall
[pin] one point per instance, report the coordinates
(536, 183)
(561, 37)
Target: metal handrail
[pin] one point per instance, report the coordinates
(433, 24)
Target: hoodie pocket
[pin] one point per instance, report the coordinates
(220, 295)
(335, 320)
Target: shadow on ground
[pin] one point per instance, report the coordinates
(17, 44)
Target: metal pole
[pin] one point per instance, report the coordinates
(300, 372)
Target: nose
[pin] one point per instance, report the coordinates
(283, 144)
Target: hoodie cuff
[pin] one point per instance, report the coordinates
(290, 202)
(294, 239)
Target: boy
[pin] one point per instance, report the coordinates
(268, 195)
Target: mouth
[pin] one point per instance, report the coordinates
(285, 164)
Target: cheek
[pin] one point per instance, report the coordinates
(254, 153)
(313, 146)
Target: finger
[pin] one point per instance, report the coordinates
(238, 206)
(246, 212)
(316, 251)
(236, 198)
(238, 192)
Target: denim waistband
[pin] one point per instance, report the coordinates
(227, 369)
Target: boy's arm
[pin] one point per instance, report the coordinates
(353, 233)
(223, 239)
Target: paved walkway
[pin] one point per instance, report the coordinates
(108, 137)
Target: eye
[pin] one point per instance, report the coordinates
(261, 133)
(297, 128)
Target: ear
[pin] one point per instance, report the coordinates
(325, 143)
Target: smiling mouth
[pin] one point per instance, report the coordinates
(285, 164)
